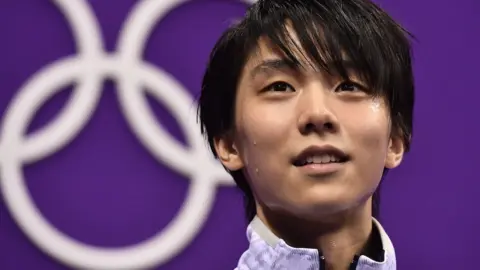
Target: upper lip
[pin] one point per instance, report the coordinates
(316, 150)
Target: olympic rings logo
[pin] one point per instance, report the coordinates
(89, 68)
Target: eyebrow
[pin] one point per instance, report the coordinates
(287, 65)
(273, 65)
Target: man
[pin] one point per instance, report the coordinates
(308, 104)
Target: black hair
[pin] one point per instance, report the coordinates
(329, 31)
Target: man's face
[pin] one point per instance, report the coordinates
(309, 143)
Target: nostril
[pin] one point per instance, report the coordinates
(328, 126)
(309, 128)
(313, 127)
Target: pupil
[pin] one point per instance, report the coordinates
(348, 87)
(280, 87)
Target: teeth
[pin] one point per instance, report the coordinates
(323, 159)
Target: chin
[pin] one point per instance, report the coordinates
(324, 205)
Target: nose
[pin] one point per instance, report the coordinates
(316, 114)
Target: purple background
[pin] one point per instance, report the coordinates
(105, 189)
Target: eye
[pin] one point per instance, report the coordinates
(279, 87)
(349, 86)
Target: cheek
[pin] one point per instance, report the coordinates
(375, 140)
(370, 130)
(369, 137)
(264, 126)
(262, 136)
(376, 105)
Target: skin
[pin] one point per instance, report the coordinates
(280, 111)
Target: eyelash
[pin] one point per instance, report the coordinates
(350, 83)
(284, 85)
(272, 86)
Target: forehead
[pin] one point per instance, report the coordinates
(266, 59)
(264, 50)
(267, 56)
(310, 51)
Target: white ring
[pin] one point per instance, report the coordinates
(89, 68)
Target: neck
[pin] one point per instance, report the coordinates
(338, 237)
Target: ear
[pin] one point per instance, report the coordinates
(395, 151)
(228, 153)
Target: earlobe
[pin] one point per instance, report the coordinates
(396, 149)
(228, 154)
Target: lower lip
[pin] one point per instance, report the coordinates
(321, 169)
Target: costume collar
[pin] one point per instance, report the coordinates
(268, 252)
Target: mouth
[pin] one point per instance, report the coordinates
(322, 155)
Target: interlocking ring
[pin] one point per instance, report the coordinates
(89, 68)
